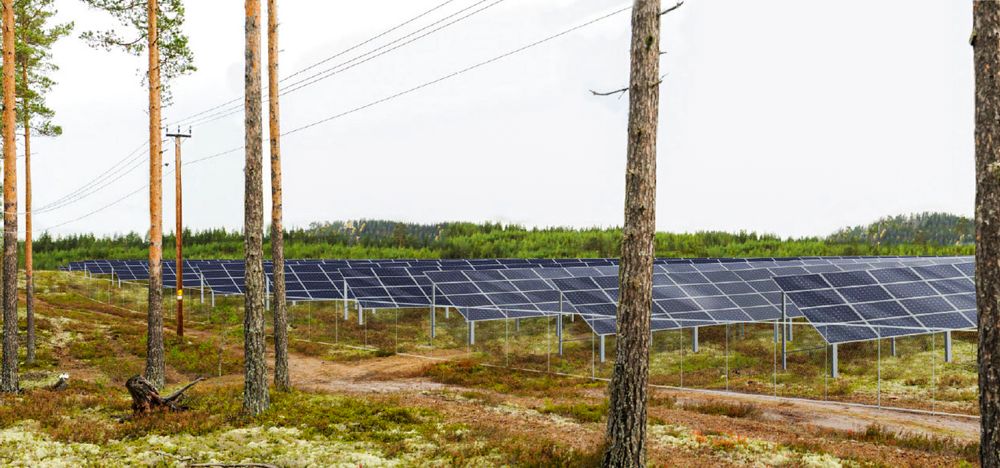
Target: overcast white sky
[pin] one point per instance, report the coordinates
(786, 117)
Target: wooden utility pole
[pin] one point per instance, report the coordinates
(155, 367)
(256, 399)
(179, 232)
(986, 44)
(8, 369)
(626, 429)
(281, 379)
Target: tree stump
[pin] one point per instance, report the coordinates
(146, 399)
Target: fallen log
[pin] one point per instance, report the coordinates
(146, 399)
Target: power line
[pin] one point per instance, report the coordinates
(358, 60)
(378, 101)
(131, 156)
(87, 189)
(325, 60)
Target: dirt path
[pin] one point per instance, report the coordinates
(402, 374)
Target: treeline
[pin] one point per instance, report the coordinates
(388, 239)
(919, 229)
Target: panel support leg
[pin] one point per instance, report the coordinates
(361, 315)
(213, 298)
(694, 340)
(472, 333)
(517, 324)
(202, 278)
(433, 313)
(948, 354)
(892, 347)
(559, 332)
(784, 335)
(834, 370)
(433, 322)
(603, 359)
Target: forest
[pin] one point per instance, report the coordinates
(923, 234)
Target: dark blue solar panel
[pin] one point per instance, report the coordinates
(801, 283)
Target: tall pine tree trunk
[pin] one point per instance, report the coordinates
(255, 391)
(986, 41)
(8, 370)
(29, 271)
(626, 430)
(154, 332)
(281, 378)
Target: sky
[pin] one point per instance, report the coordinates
(779, 116)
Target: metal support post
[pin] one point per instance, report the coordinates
(834, 369)
(694, 340)
(472, 333)
(784, 343)
(892, 347)
(948, 354)
(433, 313)
(603, 359)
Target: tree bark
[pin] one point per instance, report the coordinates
(155, 372)
(281, 379)
(29, 270)
(626, 430)
(255, 391)
(986, 42)
(8, 370)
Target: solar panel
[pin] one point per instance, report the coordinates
(503, 294)
(880, 303)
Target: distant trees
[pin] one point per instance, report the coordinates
(986, 44)
(255, 391)
(626, 426)
(8, 369)
(169, 57)
(281, 378)
(35, 37)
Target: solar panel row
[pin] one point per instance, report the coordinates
(866, 305)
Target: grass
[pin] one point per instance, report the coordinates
(468, 373)
(727, 409)
(582, 412)
(879, 435)
(107, 341)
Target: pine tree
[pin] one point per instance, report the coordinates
(35, 37)
(626, 429)
(281, 378)
(986, 44)
(255, 392)
(8, 369)
(169, 57)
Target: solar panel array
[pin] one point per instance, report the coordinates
(687, 292)
(866, 305)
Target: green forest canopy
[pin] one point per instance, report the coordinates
(922, 234)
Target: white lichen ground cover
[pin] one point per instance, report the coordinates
(25, 445)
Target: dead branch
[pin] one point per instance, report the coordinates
(668, 10)
(610, 93)
(146, 399)
(621, 92)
